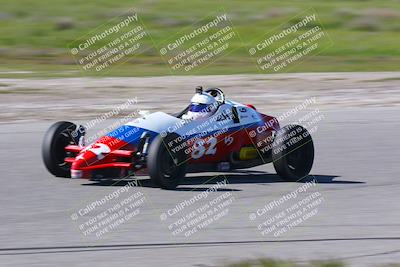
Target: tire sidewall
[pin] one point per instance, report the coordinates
(49, 147)
(158, 147)
(288, 140)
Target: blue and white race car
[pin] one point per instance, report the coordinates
(211, 134)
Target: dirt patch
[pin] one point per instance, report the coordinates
(85, 98)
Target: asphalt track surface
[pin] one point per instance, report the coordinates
(358, 222)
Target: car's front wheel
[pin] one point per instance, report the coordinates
(57, 137)
(166, 161)
(293, 152)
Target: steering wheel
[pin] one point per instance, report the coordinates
(217, 94)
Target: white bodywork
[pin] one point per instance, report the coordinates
(161, 122)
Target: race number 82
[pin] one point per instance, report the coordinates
(204, 147)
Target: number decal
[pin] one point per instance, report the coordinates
(199, 148)
(212, 149)
(98, 149)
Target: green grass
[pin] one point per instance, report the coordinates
(35, 34)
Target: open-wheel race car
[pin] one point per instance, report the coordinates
(212, 134)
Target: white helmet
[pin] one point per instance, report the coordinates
(202, 105)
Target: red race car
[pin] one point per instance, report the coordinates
(211, 134)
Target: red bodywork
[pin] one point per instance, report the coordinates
(109, 152)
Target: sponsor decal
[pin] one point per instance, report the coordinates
(228, 140)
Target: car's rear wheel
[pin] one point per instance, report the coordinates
(166, 161)
(57, 137)
(293, 152)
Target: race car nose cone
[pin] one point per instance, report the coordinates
(88, 157)
(79, 164)
(76, 168)
(81, 161)
(76, 174)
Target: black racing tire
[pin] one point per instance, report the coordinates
(167, 164)
(57, 137)
(293, 153)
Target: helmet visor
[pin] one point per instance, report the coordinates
(196, 107)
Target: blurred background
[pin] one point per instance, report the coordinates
(34, 35)
(354, 79)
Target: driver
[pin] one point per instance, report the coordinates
(202, 106)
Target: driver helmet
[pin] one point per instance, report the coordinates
(202, 105)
